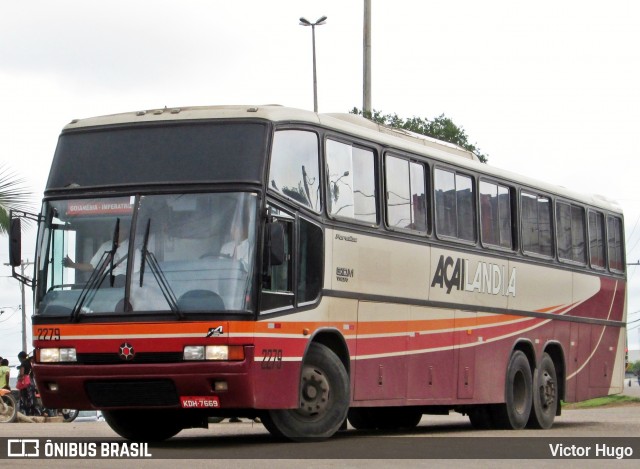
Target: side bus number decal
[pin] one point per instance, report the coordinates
(271, 358)
(48, 333)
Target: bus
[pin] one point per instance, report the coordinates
(311, 270)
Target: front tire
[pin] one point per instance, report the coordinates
(545, 394)
(143, 425)
(514, 413)
(324, 399)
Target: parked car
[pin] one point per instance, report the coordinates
(89, 416)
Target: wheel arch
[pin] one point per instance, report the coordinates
(526, 347)
(334, 340)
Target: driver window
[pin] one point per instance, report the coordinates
(277, 275)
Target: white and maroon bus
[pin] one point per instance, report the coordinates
(308, 269)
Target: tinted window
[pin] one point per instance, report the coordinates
(495, 214)
(310, 261)
(194, 152)
(570, 232)
(277, 263)
(596, 239)
(294, 167)
(406, 200)
(536, 224)
(351, 183)
(455, 205)
(614, 235)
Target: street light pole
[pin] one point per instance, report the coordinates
(319, 22)
(366, 60)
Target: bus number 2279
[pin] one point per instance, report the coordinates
(271, 358)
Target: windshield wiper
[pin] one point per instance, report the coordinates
(158, 274)
(97, 276)
(143, 256)
(114, 247)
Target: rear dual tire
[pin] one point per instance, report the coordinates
(545, 395)
(514, 413)
(530, 400)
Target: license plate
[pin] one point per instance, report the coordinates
(199, 402)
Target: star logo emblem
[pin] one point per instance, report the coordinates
(126, 352)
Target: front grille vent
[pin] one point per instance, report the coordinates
(132, 393)
(143, 357)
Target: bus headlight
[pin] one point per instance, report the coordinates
(193, 352)
(58, 355)
(214, 352)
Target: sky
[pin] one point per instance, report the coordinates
(549, 89)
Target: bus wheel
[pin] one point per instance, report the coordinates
(361, 418)
(143, 425)
(324, 399)
(514, 413)
(545, 394)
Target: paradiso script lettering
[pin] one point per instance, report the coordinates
(488, 278)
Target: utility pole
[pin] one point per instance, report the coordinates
(23, 266)
(366, 60)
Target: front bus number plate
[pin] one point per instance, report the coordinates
(199, 402)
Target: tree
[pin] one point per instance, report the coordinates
(13, 195)
(635, 368)
(440, 127)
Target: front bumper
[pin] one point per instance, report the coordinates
(148, 385)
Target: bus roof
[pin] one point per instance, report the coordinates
(348, 123)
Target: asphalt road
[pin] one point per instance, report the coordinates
(248, 444)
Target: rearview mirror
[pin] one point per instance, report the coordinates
(15, 243)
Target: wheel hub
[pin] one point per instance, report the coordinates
(315, 392)
(547, 390)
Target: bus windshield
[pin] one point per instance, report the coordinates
(185, 253)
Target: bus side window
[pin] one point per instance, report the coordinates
(570, 232)
(294, 170)
(277, 275)
(596, 239)
(536, 224)
(351, 182)
(495, 215)
(277, 270)
(455, 205)
(406, 201)
(614, 235)
(310, 261)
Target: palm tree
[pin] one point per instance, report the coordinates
(13, 195)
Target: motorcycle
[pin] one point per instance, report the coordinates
(8, 407)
